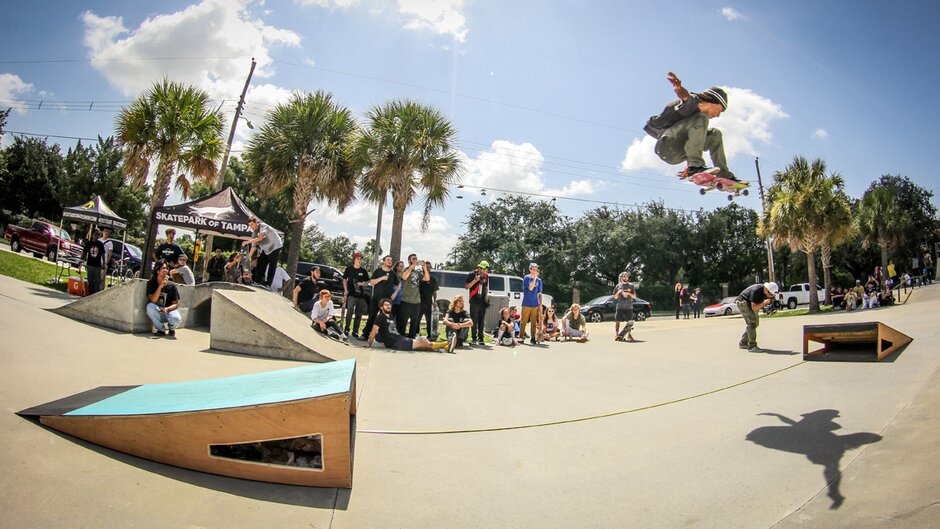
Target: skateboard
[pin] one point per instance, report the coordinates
(710, 181)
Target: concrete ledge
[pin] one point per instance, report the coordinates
(123, 307)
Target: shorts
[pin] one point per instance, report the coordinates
(623, 314)
(401, 343)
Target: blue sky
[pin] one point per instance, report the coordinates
(547, 97)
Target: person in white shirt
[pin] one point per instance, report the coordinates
(184, 273)
(281, 279)
(323, 321)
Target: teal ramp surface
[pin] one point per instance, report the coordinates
(305, 382)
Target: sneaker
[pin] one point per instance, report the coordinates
(159, 333)
(452, 344)
(533, 342)
(754, 349)
(345, 340)
(618, 338)
(743, 346)
(171, 333)
(707, 170)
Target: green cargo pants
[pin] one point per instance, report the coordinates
(749, 338)
(688, 139)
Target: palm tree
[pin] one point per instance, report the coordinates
(303, 152)
(798, 199)
(881, 221)
(836, 224)
(408, 150)
(173, 124)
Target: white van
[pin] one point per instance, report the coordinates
(452, 283)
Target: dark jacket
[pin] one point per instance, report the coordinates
(674, 112)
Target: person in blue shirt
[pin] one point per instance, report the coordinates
(531, 304)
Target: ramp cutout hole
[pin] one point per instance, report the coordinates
(300, 452)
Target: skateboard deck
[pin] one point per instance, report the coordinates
(710, 182)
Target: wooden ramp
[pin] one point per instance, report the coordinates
(292, 426)
(869, 341)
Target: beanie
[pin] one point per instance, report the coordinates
(715, 95)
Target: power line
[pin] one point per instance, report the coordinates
(115, 59)
(32, 134)
(575, 199)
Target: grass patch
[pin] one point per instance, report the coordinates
(30, 270)
(797, 312)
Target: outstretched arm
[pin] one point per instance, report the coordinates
(677, 86)
(783, 418)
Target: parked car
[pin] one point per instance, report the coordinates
(452, 283)
(43, 239)
(330, 277)
(725, 307)
(128, 264)
(603, 308)
(798, 294)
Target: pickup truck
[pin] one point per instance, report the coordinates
(43, 239)
(798, 294)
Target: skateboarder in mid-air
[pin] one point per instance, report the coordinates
(682, 133)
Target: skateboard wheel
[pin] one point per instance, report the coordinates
(701, 191)
(744, 192)
(730, 198)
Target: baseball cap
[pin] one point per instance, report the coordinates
(357, 254)
(772, 287)
(483, 264)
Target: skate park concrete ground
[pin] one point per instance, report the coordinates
(604, 434)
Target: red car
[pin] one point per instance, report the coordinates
(43, 239)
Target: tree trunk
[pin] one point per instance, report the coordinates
(827, 275)
(811, 272)
(398, 220)
(884, 262)
(161, 188)
(377, 251)
(296, 235)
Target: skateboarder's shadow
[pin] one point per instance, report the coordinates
(813, 437)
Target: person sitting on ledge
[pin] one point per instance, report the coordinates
(163, 301)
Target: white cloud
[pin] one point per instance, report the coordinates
(444, 17)
(821, 134)
(731, 14)
(332, 4)
(515, 167)
(12, 86)
(745, 124)
(221, 35)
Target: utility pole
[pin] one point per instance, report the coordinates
(228, 150)
(763, 201)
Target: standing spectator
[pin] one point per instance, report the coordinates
(269, 242)
(163, 301)
(531, 304)
(429, 288)
(574, 325)
(108, 254)
(477, 284)
(750, 301)
(355, 299)
(93, 255)
(877, 275)
(183, 272)
(678, 298)
(457, 322)
(410, 309)
(322, 315)
(624, 294)
(686, 299)
(305, 294)
(697, 303)
(396, 295)
(216, 266)
(892, 271)
(383, 284)
(169, 251)
(928, 267)
(915, 266)
(384, 328)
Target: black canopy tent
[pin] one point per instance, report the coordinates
(95, 212)
(222, 214)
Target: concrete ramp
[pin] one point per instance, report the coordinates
(123, 307)
(265, 324)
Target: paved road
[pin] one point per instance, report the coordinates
(681, 429)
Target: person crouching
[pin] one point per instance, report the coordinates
(322, 316)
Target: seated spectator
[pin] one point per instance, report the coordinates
(183, 273)
(306, 292)
(574, 325)
(457, 322)
(838, 298)
(233, 269)
(870, 299)
(323, 314)
(280, 281)
(163, 301)
(551, 325)
(384, 328)
(859, 291)
(871, 283)
(850, 300)
(886, 298)
(506, 333)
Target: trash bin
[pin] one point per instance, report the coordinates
(77, 286)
